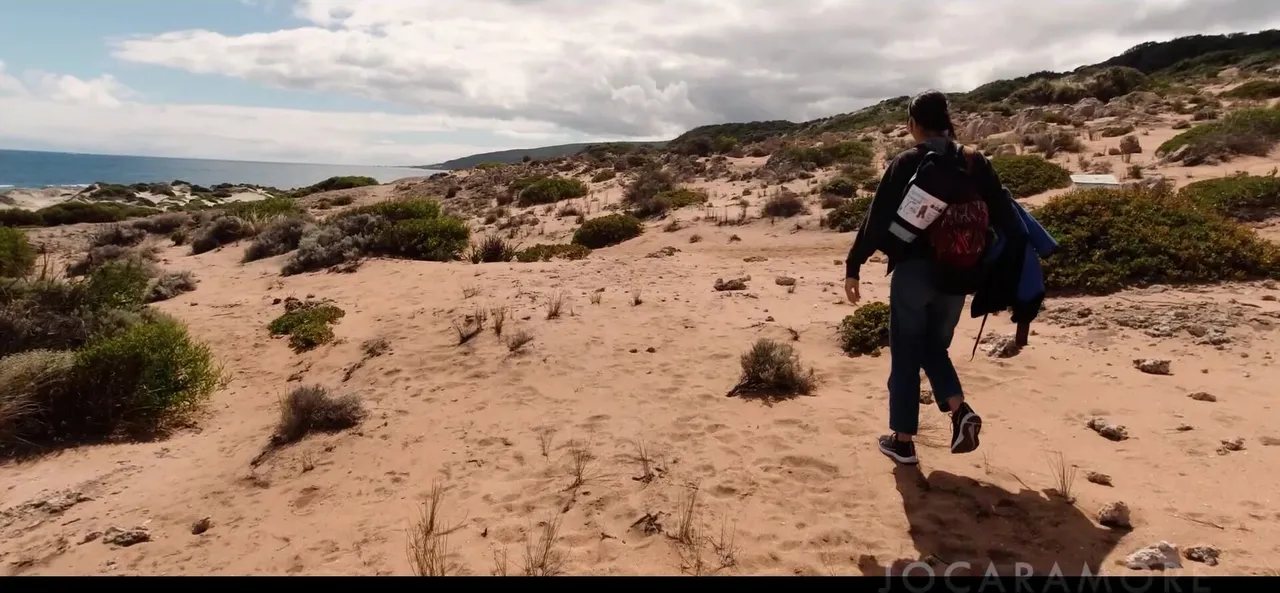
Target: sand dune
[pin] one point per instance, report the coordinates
(635, 395)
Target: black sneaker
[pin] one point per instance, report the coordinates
(903, 452)
(965, 426)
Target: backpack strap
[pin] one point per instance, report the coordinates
(968, 156)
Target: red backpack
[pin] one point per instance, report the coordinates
(943, 202)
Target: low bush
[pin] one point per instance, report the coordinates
(308, 324)
(492, 249)
(334, 184)
(412, 228)
(847, 216)
(135, 383)
(604, 175)
(17, 257)
(1113, 239)
(144, 257)
(647, 184)
(605, 231)
(44, 313)
(840, 186)
(866, 331)
(220, 231)
(546, 252)
(1252, 132)
(73, 213)
(666, 201)
(772, 370)
(784, 204)
(551, 190)
(1242, 197)
(278, 237)
(310, 409)
(118, 236)
(164, 224)
(1028, 175)
(169, 285)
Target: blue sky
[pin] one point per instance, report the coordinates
(420, 81)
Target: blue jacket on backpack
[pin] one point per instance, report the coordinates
(1015, 279)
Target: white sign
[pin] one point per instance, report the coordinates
(919, 208)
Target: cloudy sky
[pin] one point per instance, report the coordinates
(418, 81)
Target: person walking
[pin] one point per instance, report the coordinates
(933, 216)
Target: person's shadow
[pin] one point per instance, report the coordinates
(956, 520)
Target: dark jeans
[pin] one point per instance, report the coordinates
(921, 324)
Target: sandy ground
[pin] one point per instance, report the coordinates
(793, 488)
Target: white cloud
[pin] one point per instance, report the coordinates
(102, 114)
(530, 72)
(658, 67)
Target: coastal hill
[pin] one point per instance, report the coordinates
(507, 157)
(640, 360)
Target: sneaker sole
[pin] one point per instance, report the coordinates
(891, 454)
(967, 440)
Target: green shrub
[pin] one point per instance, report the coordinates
(80, 212)
(604, 175)
(866, 331)
(164, 224)
(427, 239)
(668, 200)
(1242, 197)
(17, 258)
(1028, 175)
(1113, 239)
(279, 237)
(130, 384)
(840, 186)
(16, 217)
(545, 252)
(334, 184)
(308, 324)
(647, 184)
(605, 231)
(551, 190)
(220, 231)
(1255, 90)
(847, 217)
(1246, 132)
(262, 210)
(397, 210)
(772, 370)
(169, 285)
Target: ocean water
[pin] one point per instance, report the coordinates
(28, 169)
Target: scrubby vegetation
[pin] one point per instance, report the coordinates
(546, 252)
(333, 184)
(1242, 197)
(82, 360)
(1251, 132)
(550, 190)
(772, 370)
(668, 200)
(605, 231)
(784, 204)
(1255, 90)
(17, 258)
(412, 229)
(307, 323)
(847, 217)
(278, 237)
(1110, 239)
(866, 331)
(1028, 175)
(73, 213)
(311, 409)
(840, 186)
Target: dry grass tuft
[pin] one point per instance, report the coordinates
(1064, 476)
(541, 557)
(499, 318)
(428, 547)
(555, 304)
(635, 298)
(517, 341)
(772, 370)
(313, 409)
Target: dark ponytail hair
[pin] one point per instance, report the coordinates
(929, 110)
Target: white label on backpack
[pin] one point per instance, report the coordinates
(919, 208)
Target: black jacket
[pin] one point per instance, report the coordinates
(893, 186)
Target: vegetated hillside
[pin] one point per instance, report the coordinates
(507, 157)
(1153, 65)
